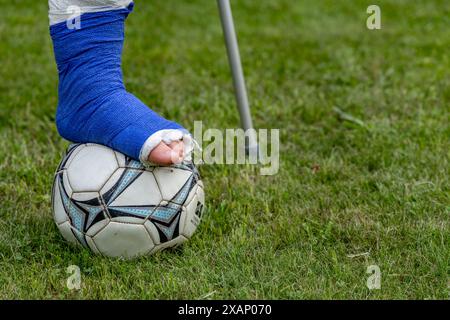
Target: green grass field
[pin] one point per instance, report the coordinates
(368, 187)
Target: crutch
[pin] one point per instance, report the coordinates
(238, 75)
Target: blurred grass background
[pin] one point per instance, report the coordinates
(377, 186)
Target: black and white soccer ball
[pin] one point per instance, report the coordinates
(118, 207)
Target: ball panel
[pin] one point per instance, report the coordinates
(59, 213)
(153, 231)
(190, 219)
(192, 193)
(121, 159)
(85, 196)
(71, 153)
(66, 231)
(75, 214)
(128, 220)
(97, 227)
(112, 181)
(126, 179)
(91, 168)
(92, 245)
(66, 184)
(177, 178)
(143, 191)
(90, 207)
(168, 230)
(201, 197)
(134, 164)
(170, 244)
(125, 240)
(190, 198)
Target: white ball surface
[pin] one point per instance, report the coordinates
(118, 207)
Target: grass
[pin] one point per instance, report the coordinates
(364, 119)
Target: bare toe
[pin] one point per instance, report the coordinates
(178, 147)
(162, 154)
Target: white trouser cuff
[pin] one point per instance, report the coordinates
(63, 10)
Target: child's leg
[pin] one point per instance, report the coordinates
(94, 105)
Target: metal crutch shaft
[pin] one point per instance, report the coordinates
(237, 72)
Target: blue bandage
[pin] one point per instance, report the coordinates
(93, 103)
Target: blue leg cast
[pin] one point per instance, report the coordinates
(94, 105)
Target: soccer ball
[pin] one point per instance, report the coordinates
(118, 207)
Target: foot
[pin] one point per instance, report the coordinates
(167, 154)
